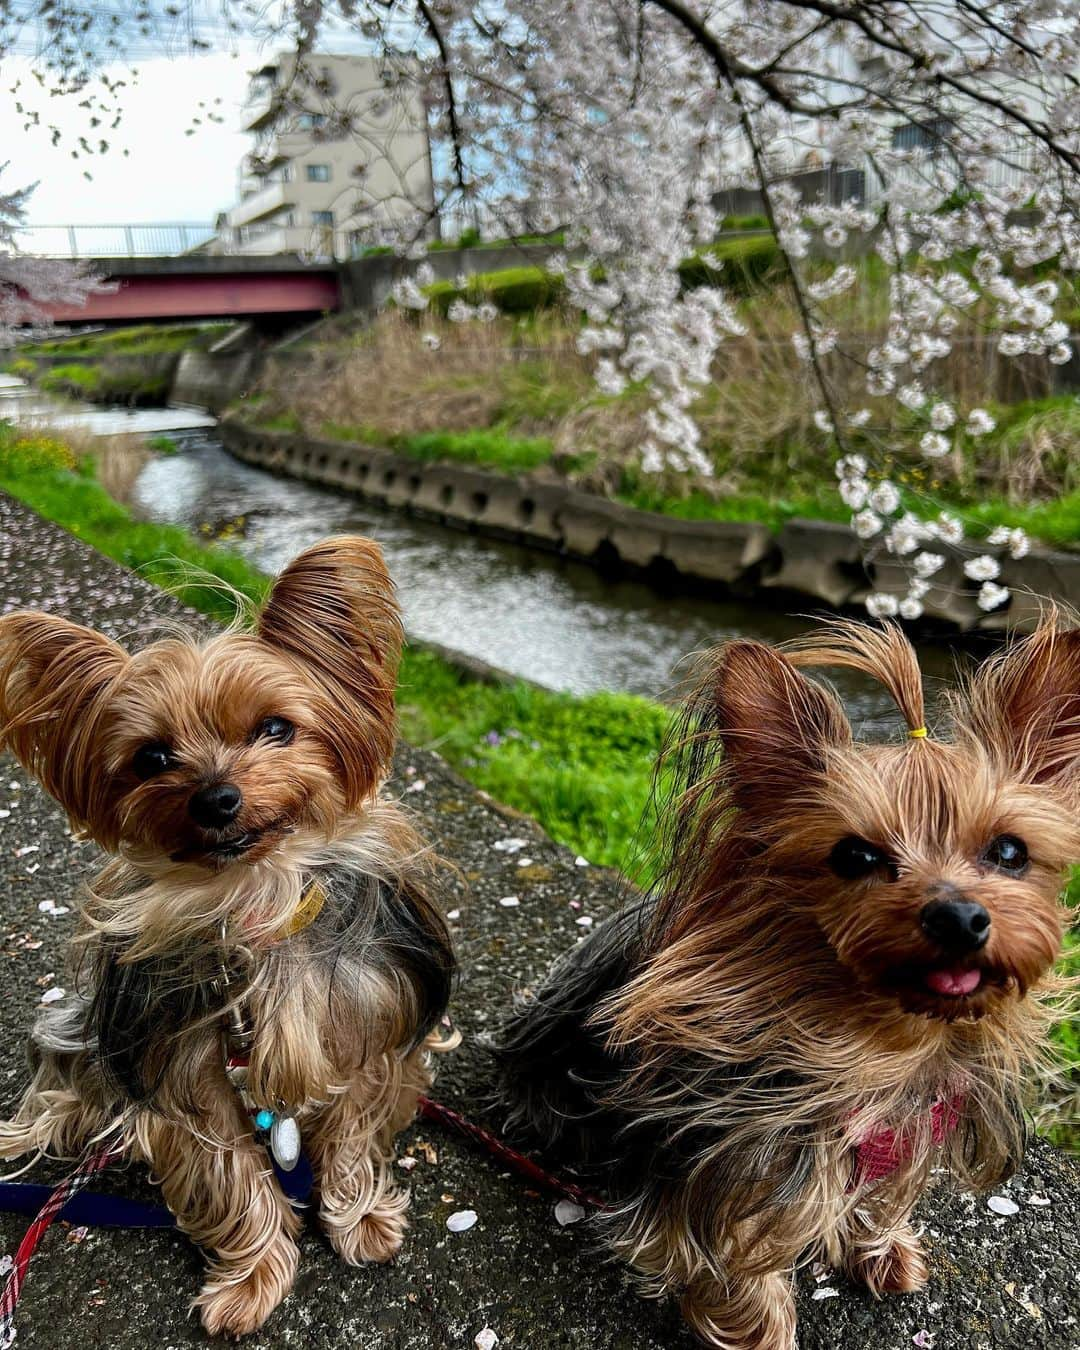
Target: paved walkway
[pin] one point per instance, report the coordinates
(997, 1281)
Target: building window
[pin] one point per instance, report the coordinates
(318, 173)
(309, 121)
(932, 136)
(322, 217)
(286, 173)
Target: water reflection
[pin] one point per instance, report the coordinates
(20, 402)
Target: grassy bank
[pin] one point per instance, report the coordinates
(131, 366)
(580, 765)
(515, 395)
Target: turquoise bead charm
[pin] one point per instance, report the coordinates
(264, 1119)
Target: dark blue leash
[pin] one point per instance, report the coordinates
(95, 1210)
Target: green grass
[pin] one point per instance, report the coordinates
(72, 376)
(512, 290)
(490, 446)
(111, 367)
(141, 340)
(285, 421)
(106, 382)
(35, 470)
(581, 766)
(1056, 523)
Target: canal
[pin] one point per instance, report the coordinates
(549, 619)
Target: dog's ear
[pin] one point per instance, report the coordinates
(56, 680)
(775, 724)
(333, 611)
(1023, 705)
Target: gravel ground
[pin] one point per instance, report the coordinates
(997, 1280)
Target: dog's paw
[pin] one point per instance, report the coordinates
(745, 1315)
(376, 1236)
(15, 1140)
(237, 1307)
(900, 1269)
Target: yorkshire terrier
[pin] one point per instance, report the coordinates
(835, 988)
(262, 957)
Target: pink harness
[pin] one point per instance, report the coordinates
(884, 1151)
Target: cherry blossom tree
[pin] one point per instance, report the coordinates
(28, 285)
(939, 137)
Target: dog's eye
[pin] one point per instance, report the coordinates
(853, 858)
(1007, 853)
(278, 729)
(151, 759)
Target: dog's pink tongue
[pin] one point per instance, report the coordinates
(954, 982)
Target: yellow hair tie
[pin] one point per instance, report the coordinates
(918, 733)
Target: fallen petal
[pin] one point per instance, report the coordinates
(462, 1221)
(1001, 1204)
(567, 1212)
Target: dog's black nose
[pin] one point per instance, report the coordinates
(215, 806)
(957, 926)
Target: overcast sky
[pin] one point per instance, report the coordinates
(166, 176)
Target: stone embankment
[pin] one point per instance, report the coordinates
(807, 561)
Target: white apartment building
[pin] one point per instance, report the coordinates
(340, 150)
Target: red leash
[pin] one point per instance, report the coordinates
(91, 1164)
(517, 1162)
(878, 1155)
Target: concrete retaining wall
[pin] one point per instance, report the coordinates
(213, 379)
(810, 560)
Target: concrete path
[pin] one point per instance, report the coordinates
(997, 1281)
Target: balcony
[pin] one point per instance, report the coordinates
(258, 163)
(268, 200)
(259, 108)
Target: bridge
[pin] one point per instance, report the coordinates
(164, 271)
(204, 287)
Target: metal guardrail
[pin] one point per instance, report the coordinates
(167, 239)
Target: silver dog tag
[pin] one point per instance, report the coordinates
(285, 1142)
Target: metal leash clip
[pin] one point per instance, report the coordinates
(276, 1130)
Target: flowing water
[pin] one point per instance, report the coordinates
(554, 621)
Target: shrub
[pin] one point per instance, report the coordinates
(32, 454)
(517, 290)
(22, 367)
(757, 222)
(72, 378)
(739, 265)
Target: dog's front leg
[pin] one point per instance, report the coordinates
(352, 1147)
(886, 1257)
(218, 1182)
(745, 1312)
